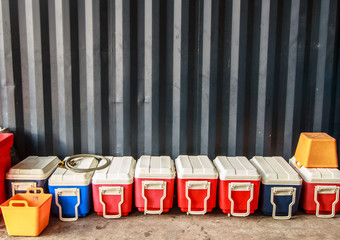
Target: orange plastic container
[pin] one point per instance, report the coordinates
(316, 150)
(27, 214)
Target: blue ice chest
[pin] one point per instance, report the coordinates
(280, 187)
(71, 191)
(33, 171)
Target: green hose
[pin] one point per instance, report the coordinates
(71, 162)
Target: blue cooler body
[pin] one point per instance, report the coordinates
(280, 187)
(72, 191)
(33, 171)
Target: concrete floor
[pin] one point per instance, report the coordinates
(177, 225)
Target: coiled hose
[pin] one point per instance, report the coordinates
(71, 162)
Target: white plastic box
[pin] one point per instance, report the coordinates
(280, 187)
(33, 171)
(112, 187)
(71, 191)
(196, 184)
(154, 184)
(239, 185)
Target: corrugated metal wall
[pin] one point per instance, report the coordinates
(132, 77)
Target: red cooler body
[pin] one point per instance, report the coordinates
(154, 184)
(112, 187)
(196, 184)
(239, 185)
(320, 190)
(6, 142)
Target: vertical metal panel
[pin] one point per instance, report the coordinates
(176, 88)
(206, 51)
(7, 97)
(168, 77)
(291, 77)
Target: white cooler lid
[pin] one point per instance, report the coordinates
(317, 175)
(230, 168)
(33, 167)
(195, 167)
(275, 170)
(120, 171)
(155, 167)
(65, 177)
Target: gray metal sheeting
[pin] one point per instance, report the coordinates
(133, 77)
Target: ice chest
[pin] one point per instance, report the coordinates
(316, 150)
(320, 190)
(239, 185)
(71, 191)
(112, 187)
(280, 187)
(27, 214)
(6, 142)
(154, 184)
(33, 171)
(196, 184)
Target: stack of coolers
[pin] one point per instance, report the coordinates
(154, 184)
(112, 187)
(196, 184)
(280, 187)
(33, 171)
(239, 185)
(71, 191)
(316, 161)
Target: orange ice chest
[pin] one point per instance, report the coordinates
(27, 214)
(316, 150)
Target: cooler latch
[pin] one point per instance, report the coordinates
(322, 189)
(112, 191)
(197, 185)
(282, 191)
(22, 186)
(240, 186)
(69, 192)
(153, 185)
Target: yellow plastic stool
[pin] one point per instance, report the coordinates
(316, 150)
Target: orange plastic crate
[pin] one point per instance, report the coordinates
(27, 214)
(316, 150)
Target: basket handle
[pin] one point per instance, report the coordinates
(35, 189)
(18, 202)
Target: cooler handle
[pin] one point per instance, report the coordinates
(18, 202)
(282, 191)
(197, 185)
(111, 191)
(67, 192)
(16, 186)
(153, 185)
(240, 186)
(28, 190)
(319, 189)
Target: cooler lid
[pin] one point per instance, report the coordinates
(33, 167)
(6, 138)
(317, 175)
(275, 170)
(155, 167)
(120, 171)
(65, 177)
(235, 168)
(195, 167)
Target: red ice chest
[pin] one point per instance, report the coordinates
(196, 184)
(320, 190)
(112, 187)
(6, 142)
(239, 185)
(154, 184)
